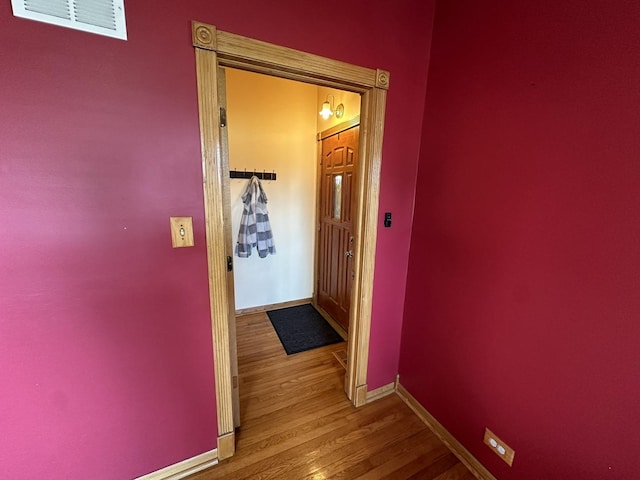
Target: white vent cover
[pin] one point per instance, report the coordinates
(104, 17)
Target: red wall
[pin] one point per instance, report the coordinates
(523, 288)
(105, 342)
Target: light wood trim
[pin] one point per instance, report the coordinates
(256, 53)
(371, 132)
(360, 395)
(316, 220)
(184, 468)
(342, 360)
(226, 445)
(231, 295)
(289, 75)
(206, 74)
(203, 35)
(471, 462)
(273, 306)
(381, 392)
(216, 48)
(382, 79)
(341, 127)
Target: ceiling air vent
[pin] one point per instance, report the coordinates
(104, 17)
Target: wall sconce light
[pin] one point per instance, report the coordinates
(328, 110)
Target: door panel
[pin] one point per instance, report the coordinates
(335, 259)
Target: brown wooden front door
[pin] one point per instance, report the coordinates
(335, 254)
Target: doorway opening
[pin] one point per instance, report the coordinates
(275, 131)
(308, 167)
(214, 49)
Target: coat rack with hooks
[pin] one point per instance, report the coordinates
(263, 175)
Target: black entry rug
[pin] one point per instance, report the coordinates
(302, 328)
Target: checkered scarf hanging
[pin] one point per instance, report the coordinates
(255, 230)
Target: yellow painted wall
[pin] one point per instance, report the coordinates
(272, 126)
(351, 102)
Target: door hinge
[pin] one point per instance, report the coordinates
(223, 117)
(235, 381)
(229, 263)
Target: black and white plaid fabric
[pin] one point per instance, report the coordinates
(255, 230)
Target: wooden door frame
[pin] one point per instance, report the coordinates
(215, 48)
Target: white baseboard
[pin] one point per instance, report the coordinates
(184, 468)
(469, 461)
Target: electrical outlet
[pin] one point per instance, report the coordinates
(504, 451)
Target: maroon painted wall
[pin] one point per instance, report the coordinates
(523, 288)
(105, 342)
(105, 339)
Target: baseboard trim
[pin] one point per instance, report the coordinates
(361, 396)
(226, 446)
(184, 468)
(273, 306)
(381, 392)
(471, 462)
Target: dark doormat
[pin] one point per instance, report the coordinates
(302, 328)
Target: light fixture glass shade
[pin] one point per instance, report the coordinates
(326, 110)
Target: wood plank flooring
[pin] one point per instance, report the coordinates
(298, 424)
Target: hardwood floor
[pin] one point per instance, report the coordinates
(298, 424)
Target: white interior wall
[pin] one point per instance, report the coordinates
(272, 126)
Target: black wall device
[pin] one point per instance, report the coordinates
(387, 219)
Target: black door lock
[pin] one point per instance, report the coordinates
(387, 219)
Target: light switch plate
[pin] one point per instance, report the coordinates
(181, 231)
